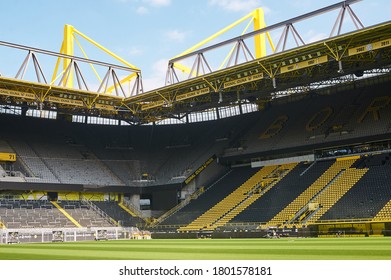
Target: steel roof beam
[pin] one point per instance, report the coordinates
(60, 55)
(267, 29)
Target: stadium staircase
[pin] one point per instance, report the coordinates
(66, 214)
(86, 214)
(334, 192)
(294, 212)
(120, 216)
(101, 165)
(240, 198)
(101, 213)
(128, 207)
(179, 206)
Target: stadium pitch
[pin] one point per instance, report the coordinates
(206, 249)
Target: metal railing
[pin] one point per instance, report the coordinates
(37, 235)
(99, 211)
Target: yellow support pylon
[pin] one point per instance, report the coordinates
(68, 48)
(259, 40)
(258, 19)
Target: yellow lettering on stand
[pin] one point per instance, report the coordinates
(376, 105)
(275, 127)
(318, 119)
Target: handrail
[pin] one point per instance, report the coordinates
(99, 211)
(132, 208)
(182, 204)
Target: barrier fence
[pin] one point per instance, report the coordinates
(31, 235)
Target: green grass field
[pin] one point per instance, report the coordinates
(206, 249)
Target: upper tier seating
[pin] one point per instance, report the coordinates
(54, 151)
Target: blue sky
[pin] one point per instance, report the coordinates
(149, 32)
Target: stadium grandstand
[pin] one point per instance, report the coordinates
(296, 143)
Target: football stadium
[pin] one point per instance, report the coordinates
(282, 152)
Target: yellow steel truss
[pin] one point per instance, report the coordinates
(257, 18)
(257, 80)
(362, 47)
(68, 48)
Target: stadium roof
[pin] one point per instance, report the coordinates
(256, 81)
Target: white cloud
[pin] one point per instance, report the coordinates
(176, 35)
(134, 51)
(144, 5)
(266, 10)
(236, 5)
(312, 36)
(157, 76)
(142, 10)
(158, 3)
